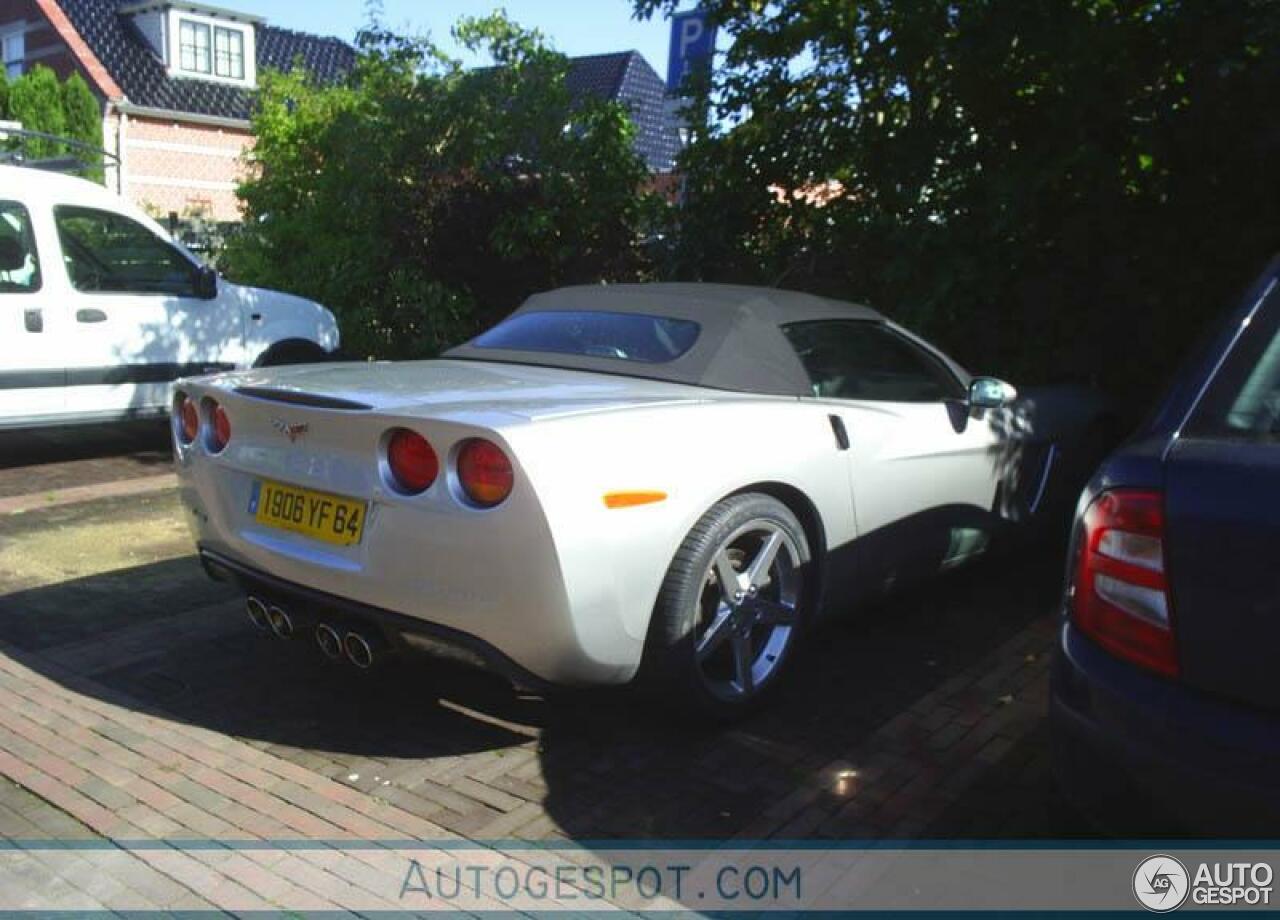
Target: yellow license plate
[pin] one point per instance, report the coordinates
(318, 515)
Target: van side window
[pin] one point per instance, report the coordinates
(109, 253)
(19, 263)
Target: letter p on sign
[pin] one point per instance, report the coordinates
(691, 30)
(693, 40)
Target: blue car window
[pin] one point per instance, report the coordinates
(1243, 402)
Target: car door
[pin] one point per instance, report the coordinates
(1222, 509)
(138, 319)
(923, 465)
(31, 363)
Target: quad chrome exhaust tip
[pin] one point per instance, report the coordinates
(329, 641)
(281, 623)
(358, 649)
(257, 611)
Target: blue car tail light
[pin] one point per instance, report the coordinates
(1120, 593)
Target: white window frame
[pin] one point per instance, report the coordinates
(215, 26)
(196, 29)
(11, 39)
(221, 33)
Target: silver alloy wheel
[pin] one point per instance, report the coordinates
(747, 610)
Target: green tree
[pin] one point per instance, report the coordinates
(1050, 188)
(421, 201)
(83, 114)
(35, 99)
(4, 97)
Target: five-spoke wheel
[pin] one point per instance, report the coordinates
(731, 608)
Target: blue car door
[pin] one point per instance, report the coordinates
(1223, 518)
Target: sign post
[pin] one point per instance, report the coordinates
(693, 43)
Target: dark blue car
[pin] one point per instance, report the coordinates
(1166, 679)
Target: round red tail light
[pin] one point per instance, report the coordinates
(484, 472)
(188, 419)
(220, 436)
(412, 462)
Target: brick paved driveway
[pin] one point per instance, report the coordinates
(136, 701)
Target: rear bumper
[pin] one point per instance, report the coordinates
(398, 631)
(1121, 736)
(495, 576)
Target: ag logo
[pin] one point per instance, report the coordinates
(1161, 883)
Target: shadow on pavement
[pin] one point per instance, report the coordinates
(145, 443)
(612, 765)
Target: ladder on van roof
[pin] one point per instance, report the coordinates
(80, 158)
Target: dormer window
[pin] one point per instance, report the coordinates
(193, 46)
(228, 52)
(198, 41)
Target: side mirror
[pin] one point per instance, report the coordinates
(206, 283)
(990, 393)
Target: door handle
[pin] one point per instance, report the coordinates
(90, 316)
(33, 320)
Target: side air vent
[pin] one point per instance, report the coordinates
(303, 399)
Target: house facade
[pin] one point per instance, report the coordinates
(176, 82)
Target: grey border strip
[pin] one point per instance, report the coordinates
(217, 121)
(501, 844)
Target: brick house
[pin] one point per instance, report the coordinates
(176, 82)
(177, 79)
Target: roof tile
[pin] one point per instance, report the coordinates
(627, 77)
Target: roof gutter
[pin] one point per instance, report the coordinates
(214, 121)
(146, 6)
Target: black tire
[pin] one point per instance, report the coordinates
(692, 601)
(292, 351)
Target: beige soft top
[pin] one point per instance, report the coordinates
(740, 346)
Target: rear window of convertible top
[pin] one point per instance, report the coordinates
(595, 334)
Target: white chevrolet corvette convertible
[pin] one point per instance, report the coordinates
(663, 483)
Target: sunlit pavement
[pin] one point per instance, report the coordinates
(136, 701)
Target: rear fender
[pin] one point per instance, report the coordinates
(614, 559)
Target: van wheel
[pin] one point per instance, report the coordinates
(732, 609)
(292, 351)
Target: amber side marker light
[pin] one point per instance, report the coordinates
(631, 499)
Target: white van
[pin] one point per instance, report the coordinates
(100, 309)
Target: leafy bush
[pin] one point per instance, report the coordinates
(68, 109)
(421, 201)
(82, 112)
(35, 99)
(1050, 189)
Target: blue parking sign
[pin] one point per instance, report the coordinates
(693, 40)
